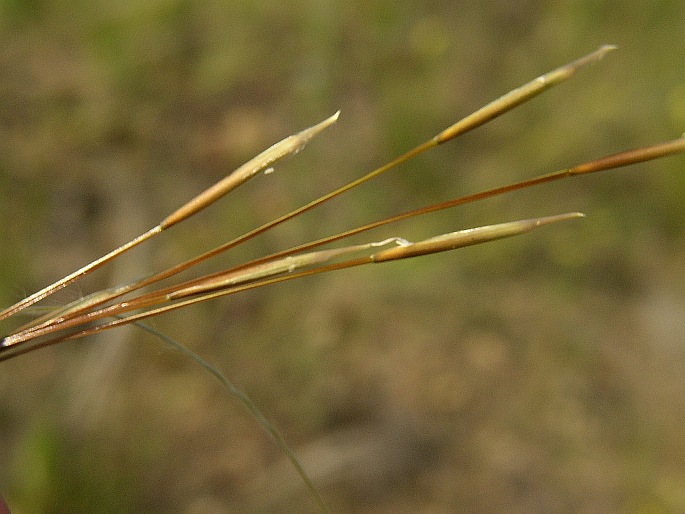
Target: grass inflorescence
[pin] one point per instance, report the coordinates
(133, 302)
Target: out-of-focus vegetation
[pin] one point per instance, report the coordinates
(539, 374)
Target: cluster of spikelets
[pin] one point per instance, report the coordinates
(127, 303)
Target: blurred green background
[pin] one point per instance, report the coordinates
(536, 374)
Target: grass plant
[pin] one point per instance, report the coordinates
(133, 302)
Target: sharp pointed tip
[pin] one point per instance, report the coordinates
(319, 127)
(557, 218)
(330, 120)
